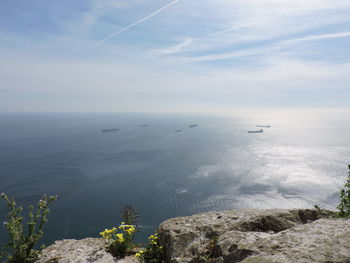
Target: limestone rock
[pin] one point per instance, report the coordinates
(275, 235)
(86, 250)
(248, 236)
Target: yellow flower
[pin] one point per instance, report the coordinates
(153, 237)
(120, 238)
(105, 234)
(139, 254)
(130, 229)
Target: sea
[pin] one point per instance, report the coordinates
(164, 168)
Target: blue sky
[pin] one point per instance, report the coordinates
(182, 55)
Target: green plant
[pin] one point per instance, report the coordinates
(318, 208)
(344, 204)
(119, 239)
(20, 248)
(129, 215)
(154, 252)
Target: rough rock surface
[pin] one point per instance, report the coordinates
(275, 235)
(80, 251)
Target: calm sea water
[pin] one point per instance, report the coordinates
(299, 162)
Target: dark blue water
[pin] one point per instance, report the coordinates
(299, 162)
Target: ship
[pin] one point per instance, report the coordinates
(263, 126)
(111, 130)
(256, 131)
(143, 125)
(178, 130)
(192, 125)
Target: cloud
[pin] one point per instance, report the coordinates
(271, 8)
(224, 51)
(189, 40)
(273, 47)
(176, 48)
(266, 20)
(234, 54)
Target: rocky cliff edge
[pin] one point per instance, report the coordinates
(276, 235)
(247, 236)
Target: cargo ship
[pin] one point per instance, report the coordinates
(256, 131)
(111, 130)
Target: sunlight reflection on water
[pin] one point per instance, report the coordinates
(299, 162)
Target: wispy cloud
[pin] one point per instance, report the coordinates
(257, 24)
(272, 47)
(189, 40)
(113, 35)
(176, 48)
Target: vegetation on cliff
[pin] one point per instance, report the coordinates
(344, 204)
(21, 245)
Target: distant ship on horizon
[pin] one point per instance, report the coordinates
(110, 130)
(263, 126)
(143, 125)
(178, 130)
(256, 131)
(192, 125)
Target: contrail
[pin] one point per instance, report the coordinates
(135, 23)
(319, 37)
(235, 28)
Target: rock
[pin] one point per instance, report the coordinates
(275, 235)
(325, 240)
(86, 250)
(248, 236)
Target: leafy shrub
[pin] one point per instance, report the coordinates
(119, 240)
(344, 204)
(20, 248)
(153, 253)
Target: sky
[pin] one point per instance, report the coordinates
(173, 55)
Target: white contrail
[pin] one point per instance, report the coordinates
(236, 28)
(319, 37)
(135, 23)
